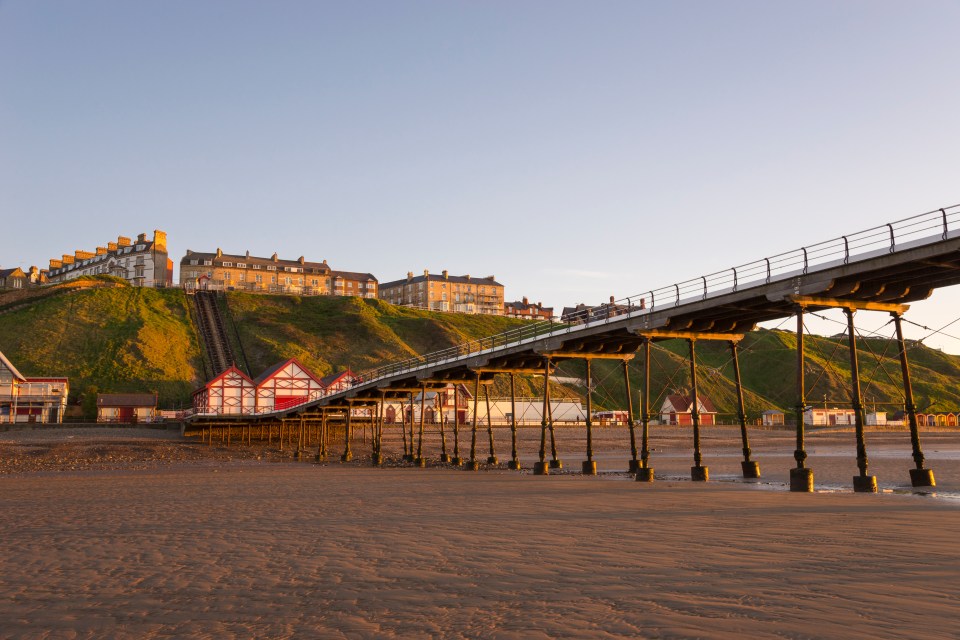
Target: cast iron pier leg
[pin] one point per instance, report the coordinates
(750, 468)
(644, 472)
(541, 468)
(919, 477)
(492, 458)
(457, 460)
(514, 460)
(473, 464)
(419, 461)
(801, 478)
(634, 463)
(376, 457)
(347, 454)
(589, 466)
(444, 457)
(698, 472)
(862, 483)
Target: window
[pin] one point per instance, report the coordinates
(208, 263)
(241, 265)
(256, 266)
(228, 264)
(270, 267)
(259, 278)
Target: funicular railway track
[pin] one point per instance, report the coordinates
(212, 331)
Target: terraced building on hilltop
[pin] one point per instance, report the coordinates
(221, 271)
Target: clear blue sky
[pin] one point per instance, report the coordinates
(576, 150)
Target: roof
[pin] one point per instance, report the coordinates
(6, 273)
(353, 275)
(772, 412)
(9, 365)
(434, 277)
(126, 400)
(231, 369)
(682, 403)
(333, 378)
(269, 373)
(250, 260)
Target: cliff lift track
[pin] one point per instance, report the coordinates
(212, 332)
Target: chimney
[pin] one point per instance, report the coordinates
(611, 299)
(159, 240)
(101, 251)
(67, 259)
(409, 276)
(219, 252)
(525, 301)
(141, 238)
(539, 305)
(55, 264)
(426, 274)
(300, 259)
(467, 276)
(445, 274)
(274, 257)
(112, 246)
(123, 241)
(248, 254)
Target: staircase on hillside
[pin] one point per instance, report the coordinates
(211, 330)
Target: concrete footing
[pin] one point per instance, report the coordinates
(634, 466)
(456, 461)
(514, 465)
(589, 467)
(699, 474)
(541, 469)
(645, 474)
(801, 480)
(922, 478)
(444, 458)
(556, 464)
(865, 484)
(472, 465)
(420, 462)
(493, 460)
(347, 457)
(750, 469)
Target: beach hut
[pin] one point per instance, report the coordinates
(230, 393)
(285, 385)
(126, 407)
(677, 410)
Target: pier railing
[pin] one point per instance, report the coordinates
(918, 230)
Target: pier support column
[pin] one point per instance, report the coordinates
(555, 462)
(750, 468)
(644, 472)
(919, 477)
(589, 466)
(444, 457)
(801, 478)
(862, 483)
(698, 472)
(347, 454)
(376, 457)
(514, 460)
(634, 463)
(492, 458)
(541, 468)
(322, 437)
(409, 457)
(419, 460)
(299, 451)
(473, 464)
(456, 460)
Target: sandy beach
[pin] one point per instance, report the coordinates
(135, 534)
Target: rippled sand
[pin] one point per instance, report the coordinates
(257, 548)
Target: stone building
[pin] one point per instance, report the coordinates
(444, 292)
(142, 263)
(525, 310)
(27, 399)
(221, 271)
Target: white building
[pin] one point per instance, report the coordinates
(24, 399)
(143, 263)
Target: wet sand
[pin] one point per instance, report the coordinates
(228, 545)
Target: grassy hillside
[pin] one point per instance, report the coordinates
(118, 338)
